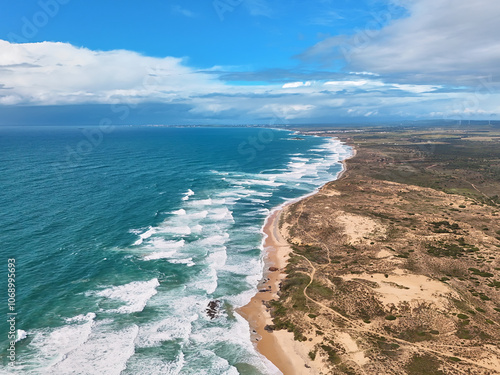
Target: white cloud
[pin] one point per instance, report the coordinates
(58, 74)
(343, 84)
(287, 112)
(443, 41)
(364, 73)
(296, 84)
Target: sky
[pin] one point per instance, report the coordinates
(75, 62)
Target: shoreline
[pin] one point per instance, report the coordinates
(279, 347)
(255, 312)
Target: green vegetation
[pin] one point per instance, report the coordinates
(319, 290)
(450, 249)
(313, 253)
(444, 227)
(290, 327)
(332, 354)
(387, 346)
(484, 297)
(293, 287)
(477, 272)
(415, 335)
(423, 365)
(312, 355)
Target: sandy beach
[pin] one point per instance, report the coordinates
(277, 346)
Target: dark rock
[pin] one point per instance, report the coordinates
(269, 328)
(213, 309)
(273, 269)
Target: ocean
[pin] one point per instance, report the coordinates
(122, 237)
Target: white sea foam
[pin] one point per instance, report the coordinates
(198, 215)
(160, 255)
(257, 200)
(222, 213)
(21, 335)
(197, 228)
(188, 194)
(181, 230)
(145, 235)
(81, 318)
(155, 366)
(234, 192)
(162, 244)
(163, 249)
(207, 280)
(53, 345)
(238, 336)
(135, 295)
(188, 262)
(264, 193)
(201, 202)
(214, 240)
(170, 328)
(179, 212)
(106, 351)
(218, 257)
(257, 182)
(261, 211)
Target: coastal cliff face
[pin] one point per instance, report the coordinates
(388, 277)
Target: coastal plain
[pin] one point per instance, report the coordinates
(393, 268)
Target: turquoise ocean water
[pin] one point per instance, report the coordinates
(122, 239)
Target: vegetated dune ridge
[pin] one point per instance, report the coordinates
(386, 277)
